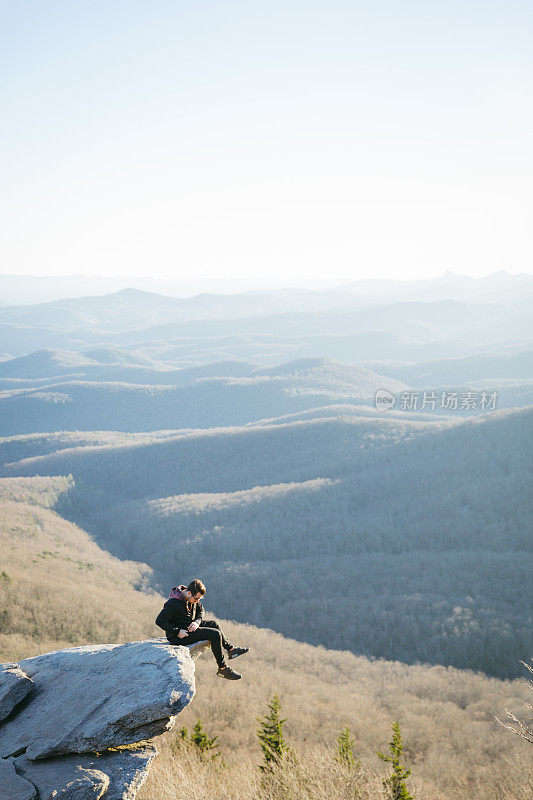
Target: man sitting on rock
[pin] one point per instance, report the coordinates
(182, 619)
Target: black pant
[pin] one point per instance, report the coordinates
(209, 631)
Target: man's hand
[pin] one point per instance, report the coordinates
(182, 633)
(193, 627)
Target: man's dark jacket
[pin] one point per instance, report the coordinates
(177, 614)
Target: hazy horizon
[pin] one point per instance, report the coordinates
(229, 285)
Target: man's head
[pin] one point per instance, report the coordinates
(194, 591)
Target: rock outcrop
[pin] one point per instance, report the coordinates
(13, 785)
(65, 714)
(113, 775)
(14, 686)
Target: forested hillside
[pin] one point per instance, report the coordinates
(457, 371)
(201, 402)
(420, 528)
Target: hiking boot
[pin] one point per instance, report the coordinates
(229, 673)
(237, 651)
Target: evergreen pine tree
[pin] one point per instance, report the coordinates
(270, 735)
(394, 784)
(202, 742)
(180, 740)
(345, 745)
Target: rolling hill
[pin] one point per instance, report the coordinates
(426, 524)
(199, 402)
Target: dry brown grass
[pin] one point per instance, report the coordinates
(184, 774)
(181, 773)
(453, 743)
(57, 587)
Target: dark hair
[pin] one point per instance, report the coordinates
(196, 586)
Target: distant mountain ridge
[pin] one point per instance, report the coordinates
(31, 289)
(416, 312)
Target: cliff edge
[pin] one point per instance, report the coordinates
(63, 714)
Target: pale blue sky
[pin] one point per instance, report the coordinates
(297, 139)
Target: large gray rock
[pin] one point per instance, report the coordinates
(114, 775)
(100, 696)
(86, 784)
(90, 784)
(14, 687)
(12, 786)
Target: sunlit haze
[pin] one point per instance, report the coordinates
(309, 142)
